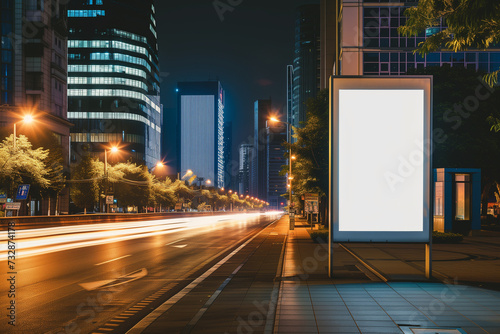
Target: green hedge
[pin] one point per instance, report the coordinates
(437, 237)
(320, 236)
(446, 238)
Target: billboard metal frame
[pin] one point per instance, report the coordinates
(338, 83)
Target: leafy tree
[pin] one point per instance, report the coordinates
(468, 24)
(86, 185)
(311, 149)
(163, 193)
(462, 136)
(134, 188)
(24, 165)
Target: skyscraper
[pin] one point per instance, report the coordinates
(114, 90)
(230, 167)
(244, 168)
(380, 50)
(258, 169)
(306, 63)
(201, 130)
(33, 76)
(276, 183)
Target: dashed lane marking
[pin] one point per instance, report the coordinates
(118, 258)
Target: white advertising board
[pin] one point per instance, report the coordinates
(380, 154)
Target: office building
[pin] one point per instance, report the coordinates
(230, 166)
(276, 183)
(113, 79)
(381, 50)
(33, 79)
(246, 153)
(306, 62)
(201, 130)
(258, 165)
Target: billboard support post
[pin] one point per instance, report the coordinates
(428, 260)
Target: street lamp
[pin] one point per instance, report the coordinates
(27, 119)
(113, 149)
(291, 157)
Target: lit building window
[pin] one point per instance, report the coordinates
(115, 93)
(106, 69)
(86, 13)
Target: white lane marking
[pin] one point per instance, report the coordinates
(155, 314)
(118, 258)
(174, 242)
(128, 278)
(180, 246)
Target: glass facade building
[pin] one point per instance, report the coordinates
(258, 162)
(304, 81)
(7, 61)
(113, 78)
(201, 130)
(382, 51)
(276, 183)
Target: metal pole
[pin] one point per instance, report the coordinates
(106, 179)
(289, 126)
(15, 134)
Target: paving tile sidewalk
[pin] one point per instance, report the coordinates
(310, 302)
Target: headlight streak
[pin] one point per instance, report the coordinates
(48, 240)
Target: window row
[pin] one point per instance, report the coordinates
(93, 2)
(113, 115)
(86, 13)
(129, 35)
(106, 138)
(107, 81)
(107, 69)
(96, 44)
(401, 62)
(114, 92)
(120, 57)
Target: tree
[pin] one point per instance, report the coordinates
(132, 184)
(163, 193)
(462, 136)
(86, 185)
(467, 24)
(24, 165)
(311, 149)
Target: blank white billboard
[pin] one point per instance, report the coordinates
(381, 159)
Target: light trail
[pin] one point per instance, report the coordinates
(55, 239)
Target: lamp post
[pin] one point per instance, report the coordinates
(27, 119)
(290, 156)
(113, 149)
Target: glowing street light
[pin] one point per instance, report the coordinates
(292, 157)
(27, 119)
(113, 149)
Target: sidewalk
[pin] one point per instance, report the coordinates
(357, 301)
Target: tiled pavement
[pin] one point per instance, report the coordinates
(310, 302)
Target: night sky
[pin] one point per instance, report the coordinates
(248, 52)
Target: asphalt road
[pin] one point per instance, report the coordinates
(74, 279)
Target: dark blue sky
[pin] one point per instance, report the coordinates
(247, 51)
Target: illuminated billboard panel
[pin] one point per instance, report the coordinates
(380, 180)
